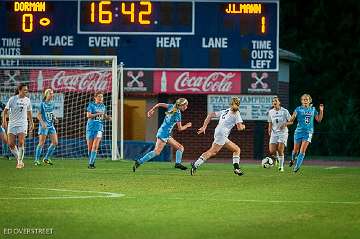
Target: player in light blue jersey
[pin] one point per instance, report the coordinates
(305, 115)
(172, 118)
(3, 135)
(96, 114)
(46, 119)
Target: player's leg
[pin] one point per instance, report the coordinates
(159, 146)
(179, 152)
(236, 156)
(280, 150)
(39, 148)
(51, 149)
(296, 149)
(21, 145)
(12, 131)
(301, 155)
(215, 148)
(94, 149)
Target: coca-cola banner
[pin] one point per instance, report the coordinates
(259, 82)
(65, 80)
(138, 81)
(197, 82)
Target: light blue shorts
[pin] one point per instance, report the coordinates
(92, 134)
(163, 137)
(303, 136)
(2, 130)
(48, 131)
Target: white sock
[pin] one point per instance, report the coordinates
(281, 161)
(21, 153)
(15, 152)
(199, 162)
(236, 159)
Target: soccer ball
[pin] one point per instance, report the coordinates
(267, 162)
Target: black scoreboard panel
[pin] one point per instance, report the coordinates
(228, 35)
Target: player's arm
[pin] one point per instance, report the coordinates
(4, 118)
(320, 116)
(29, 114)
(269, 128)
(181, 127)
(42, 122)
(240, 126)
(292, 118)
(206, 122)
(152, 110)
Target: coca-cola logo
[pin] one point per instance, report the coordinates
(214, 82)
(80, 81)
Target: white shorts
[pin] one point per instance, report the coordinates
(278, 138)
(15, 130)
(220, 137)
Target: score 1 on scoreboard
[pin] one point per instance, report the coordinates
(191, 34)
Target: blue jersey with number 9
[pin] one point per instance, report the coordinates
(97, 123)
(305, 117)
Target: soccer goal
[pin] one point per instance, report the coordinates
(74, 80)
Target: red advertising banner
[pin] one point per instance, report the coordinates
(71, 80)
(197, 82)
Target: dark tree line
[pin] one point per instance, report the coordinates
(326, 34)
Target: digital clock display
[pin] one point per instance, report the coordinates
(131, 17)
(163, 34)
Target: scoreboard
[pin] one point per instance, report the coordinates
(162, 34)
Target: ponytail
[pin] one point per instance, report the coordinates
(179, 102)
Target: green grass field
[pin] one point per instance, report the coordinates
(160, 202)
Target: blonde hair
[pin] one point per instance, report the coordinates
(179, 102)
(235, 101)
(307, 96)
(47, 93)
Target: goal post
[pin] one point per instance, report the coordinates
(74, 80)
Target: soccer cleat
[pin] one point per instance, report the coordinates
(296, 169)
(180, 166)
(193, 169)
(238, 172)
(18, 165)
(281, 169)
(291, 163)
(37, 163)
(136, 165)
(47, 162)
(91, 166)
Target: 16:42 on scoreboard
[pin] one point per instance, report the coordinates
(163, 34)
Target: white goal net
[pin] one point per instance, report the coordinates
(74, 80)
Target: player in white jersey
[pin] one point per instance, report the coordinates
(18, 108)
(278, 119)
(228, 119)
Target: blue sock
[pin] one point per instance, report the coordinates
(293, 155)
(179, 154)
(50, 151)
(38, 152)
(147, 157)
(92, 157)
(299, 160)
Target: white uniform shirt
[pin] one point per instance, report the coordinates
(278, 118)
(18, 108)
(227, 121)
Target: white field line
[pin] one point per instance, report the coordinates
(333, 167)
(102, 194)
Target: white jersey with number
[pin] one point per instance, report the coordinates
(227, 120)
(277, 118)
(18, 109)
